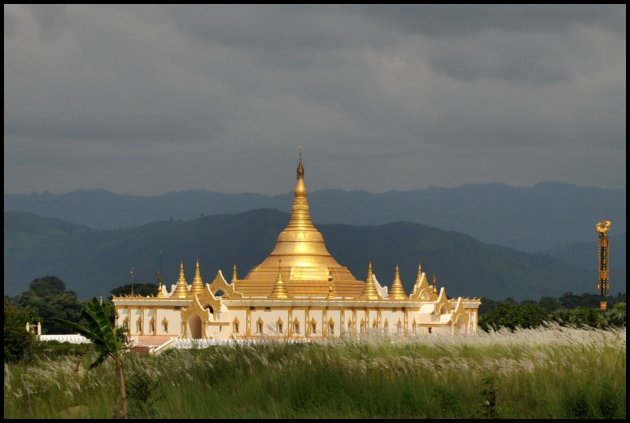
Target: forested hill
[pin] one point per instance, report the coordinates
(531, 219)
(92, 262)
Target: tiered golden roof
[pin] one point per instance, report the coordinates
(308, 267)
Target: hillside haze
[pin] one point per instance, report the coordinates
(92, 262)
(538, 218)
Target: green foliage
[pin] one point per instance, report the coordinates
(109, 342)
(511, 316)
(49, 299)
(18, 343)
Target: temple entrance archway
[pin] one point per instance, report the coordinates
(194, 327)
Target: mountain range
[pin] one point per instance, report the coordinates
(92, 261)
(533, 219)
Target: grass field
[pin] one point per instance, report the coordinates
(540, 373)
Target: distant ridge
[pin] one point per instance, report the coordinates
(532, 219)
(92, 262)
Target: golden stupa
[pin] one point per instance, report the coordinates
(307, 268)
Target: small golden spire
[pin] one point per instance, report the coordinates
(234, 273)
(160, 293)
(181, 289)
(197, 285)
(419, 276)
(435, 284)
(279, 291)
(398, 291)
(369, 291)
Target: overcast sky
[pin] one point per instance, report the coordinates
(149, 99)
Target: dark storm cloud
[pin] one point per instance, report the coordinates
(456, 20)
(146, 99)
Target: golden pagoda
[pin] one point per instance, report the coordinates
(298, 291)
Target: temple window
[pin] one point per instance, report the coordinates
(296, 326)
(414, 325)
(139, 325)
(259, 325)
(313, 326)
(331, 327)
(363, 325)
(235, 326)
(125, 323)
(399, 327)
(279, 325)
(152, 325)
(375, 323)
(165, 325)
(386, 325)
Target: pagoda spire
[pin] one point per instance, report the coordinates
(300, 210)
(419, 277)
(279, 291)
(369, 291)
(234, 273)
(181, 289)
(197, 285)
(160, 293)
(398, 291)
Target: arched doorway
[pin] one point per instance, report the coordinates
(194, 327)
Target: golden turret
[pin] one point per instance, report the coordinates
(160, 293)
(181, 290)
(279, 291)
(369, 291)
(419, 276)
(197, 285)
(435, 284)
(398, 291)
(234, 273)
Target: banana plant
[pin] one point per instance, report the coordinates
(109, 343)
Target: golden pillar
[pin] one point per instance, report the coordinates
(603, 253)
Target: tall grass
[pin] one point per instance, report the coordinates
(541, 373)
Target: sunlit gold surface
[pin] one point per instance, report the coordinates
(197, 285)
(369, 289)
(307, 266)
(603, 226)
(397, 291)
(181, 290)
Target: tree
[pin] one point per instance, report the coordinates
(50, 300)
(18, 343)
(510, 315)
(109, 343)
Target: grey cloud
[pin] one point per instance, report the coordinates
(147, 99)
(455, 20)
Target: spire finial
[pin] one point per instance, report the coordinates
(300, 168)
(234, 273)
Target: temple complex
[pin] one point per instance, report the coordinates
(299, 291)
